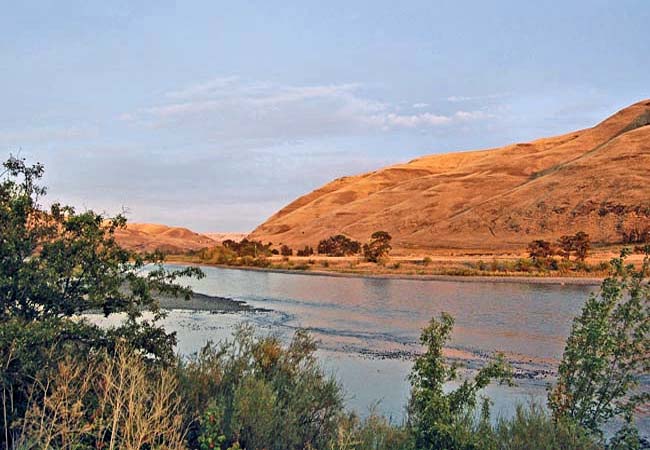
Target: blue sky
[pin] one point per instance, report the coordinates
(213, 115)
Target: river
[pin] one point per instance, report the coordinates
(368, 328)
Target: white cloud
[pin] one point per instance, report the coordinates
(463, 98)
(230, 109)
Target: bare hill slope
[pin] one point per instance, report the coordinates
(596, 180)
(147, 237)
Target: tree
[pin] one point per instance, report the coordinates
(56, 264)
(439, 418)
(566, 246)
(339, 245)
(578, 243)
(307, 251)
(539, 249)
(581, 245)
(378, 246)
(285, 250)
(607, 352)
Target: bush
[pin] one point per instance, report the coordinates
(106, 400)
(607, 352)
(532, 428)
(262, 387)
(438, 418)
(373, 433)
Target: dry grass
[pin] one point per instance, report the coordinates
(112, 401)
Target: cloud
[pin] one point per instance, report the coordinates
(229, 110)
(463, 98)
(420, 105)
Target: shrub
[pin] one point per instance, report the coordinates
(444, 419)
(532, 428)
(373, 433)
(607, 352)
(107, 400)
(263, 387)
(285, 250)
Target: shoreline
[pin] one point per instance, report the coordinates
(522, 279)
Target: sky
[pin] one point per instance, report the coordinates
(213, 115)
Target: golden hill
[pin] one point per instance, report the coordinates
(596, 180)
(147, 237)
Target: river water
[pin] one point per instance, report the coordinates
(368, 328)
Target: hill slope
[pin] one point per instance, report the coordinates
(147, 237)
(596, 180)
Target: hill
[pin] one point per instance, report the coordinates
(146, 237)
(596, 180)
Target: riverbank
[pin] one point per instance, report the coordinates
(522, 278)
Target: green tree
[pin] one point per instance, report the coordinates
(607, 352)
(56, 264)
(440, 419)
(378, 246)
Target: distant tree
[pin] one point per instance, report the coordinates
(607, 353)
(339, 245)
(378, 246)
(565, 243)
(581, 245)
(578, 243)
(307, 251)
(247, 247)
(540, 249)
(285, 250)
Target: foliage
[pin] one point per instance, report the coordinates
(285, 250)
(106, 400)
(532, 428)
(377, 247)
(607, 351)
(56, 264)
(579, 243)
(540, 248)
(247, 247)
(444, 420)
(306, 251)
(373, 433)
(339, 245)
(262, 387)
